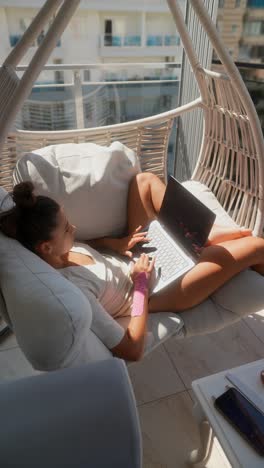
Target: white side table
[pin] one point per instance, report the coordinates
(238, 452)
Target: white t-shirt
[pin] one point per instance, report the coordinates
(108, 287)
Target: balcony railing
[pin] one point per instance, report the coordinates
(15, 38)
(163, 40)
(121, 41)
(255, 4)
(110, 40)
(136, 90)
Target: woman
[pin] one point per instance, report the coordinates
(114, 287)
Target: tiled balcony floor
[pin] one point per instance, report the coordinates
(162, 385)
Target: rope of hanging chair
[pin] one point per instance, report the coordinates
(22, 88)
(32, 32)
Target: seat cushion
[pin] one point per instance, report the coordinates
(204, 194)
(241, 296)
(91, 182)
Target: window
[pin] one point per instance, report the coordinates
(58, 74)
(108, 27)
(255, 4)
(221, 3)
(257, 52)
(86, 75)
(237, 3)
(254, 28)
(234, 27)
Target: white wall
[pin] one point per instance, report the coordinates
(161, 23)
(124, 23)
(14, 15)
(4, 43)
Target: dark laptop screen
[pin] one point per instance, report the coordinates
(185, 217)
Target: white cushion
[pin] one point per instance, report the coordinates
(50, 316)
(207, 197)
(241, 296)
(91, 181)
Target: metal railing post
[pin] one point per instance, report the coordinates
(78, 98)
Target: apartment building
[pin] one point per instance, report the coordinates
(252, 42)
(241, 26)
(100, 33)
(230, 24)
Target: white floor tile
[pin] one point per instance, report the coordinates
(204, 355)
(169, 431)
(154, 377)
(256, 324)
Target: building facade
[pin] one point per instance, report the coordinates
(118, 40)
(99, 32)
(241, 26)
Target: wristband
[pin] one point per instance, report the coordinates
(140, 289)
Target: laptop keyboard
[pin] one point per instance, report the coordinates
(168, 259)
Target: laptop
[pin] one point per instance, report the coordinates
(177, 235)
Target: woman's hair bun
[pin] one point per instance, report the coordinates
(23, 195)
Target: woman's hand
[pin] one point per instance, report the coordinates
(143, 265)
(124, 245)
(121, 246)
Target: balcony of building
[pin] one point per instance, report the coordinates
(253, 34)
(139, 33)
(255, 4)
(15, 38)
(109, 40)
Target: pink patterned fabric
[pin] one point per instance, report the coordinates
(140, 288)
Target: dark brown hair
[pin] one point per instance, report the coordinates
(32, 219)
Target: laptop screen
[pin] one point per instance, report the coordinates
(186, 218)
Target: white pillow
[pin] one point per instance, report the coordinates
(91, 181)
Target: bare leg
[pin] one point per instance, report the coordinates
(221, 234)
(146, 192)
(217, 265)
(145, 196)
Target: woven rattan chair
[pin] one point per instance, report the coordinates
(230, 163)
(231, 156)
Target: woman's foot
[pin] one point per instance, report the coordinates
(220, 234)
